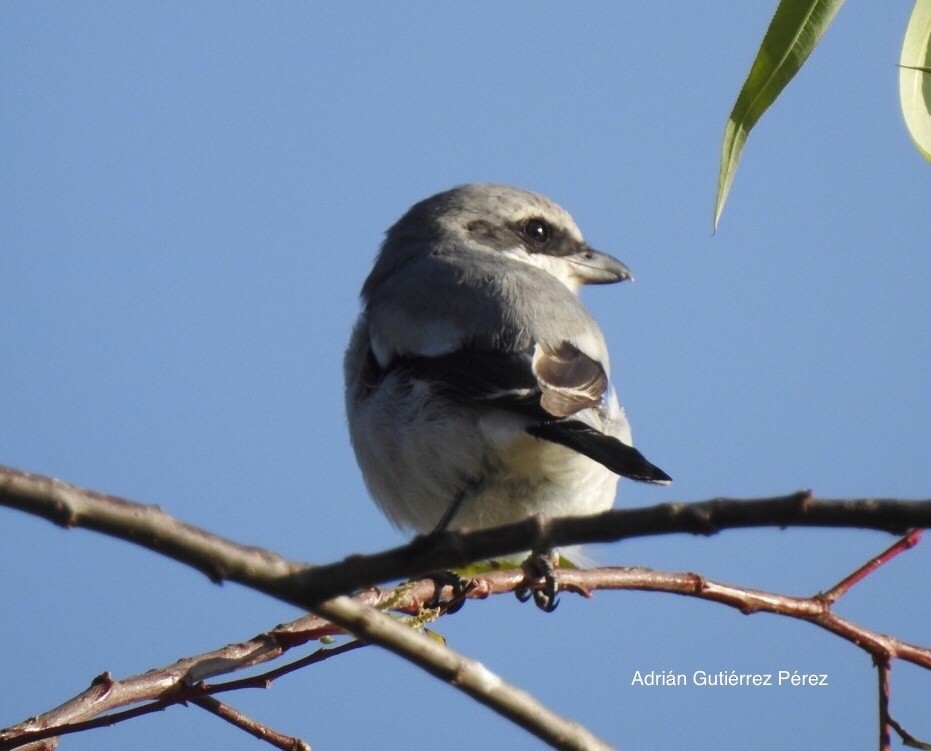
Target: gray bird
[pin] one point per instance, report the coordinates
(477, 384)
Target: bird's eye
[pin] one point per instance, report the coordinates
(537, 230)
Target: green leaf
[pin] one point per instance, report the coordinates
(915, 77)
(795, 30)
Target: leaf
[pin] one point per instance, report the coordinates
(915, 77)
(795, 30)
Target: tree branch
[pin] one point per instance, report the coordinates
(320, 588)
(303, 585)
(465, 674)
(70, 506)
(163, 687)
(265, 571)
(182, 680)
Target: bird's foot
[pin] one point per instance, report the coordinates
(460, 587)
(541, 565)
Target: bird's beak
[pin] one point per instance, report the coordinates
(594, 267)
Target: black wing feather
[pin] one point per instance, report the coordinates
(504, 379)
(615, 455)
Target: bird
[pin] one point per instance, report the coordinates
(477, 384)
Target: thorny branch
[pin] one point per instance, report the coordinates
(301, 584)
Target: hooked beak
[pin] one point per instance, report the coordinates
(594, 267)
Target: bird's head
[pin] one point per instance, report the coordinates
(511, 222)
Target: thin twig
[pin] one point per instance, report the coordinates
(253, 727)
(907, 738)
(264, 680)
(840, 589)
(883, 668)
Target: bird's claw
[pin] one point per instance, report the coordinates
(459, 585)
(541, 565)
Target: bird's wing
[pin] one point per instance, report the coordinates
(549, 386)
(505, 380)
(607, 450)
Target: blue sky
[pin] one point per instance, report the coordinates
(192, 195)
